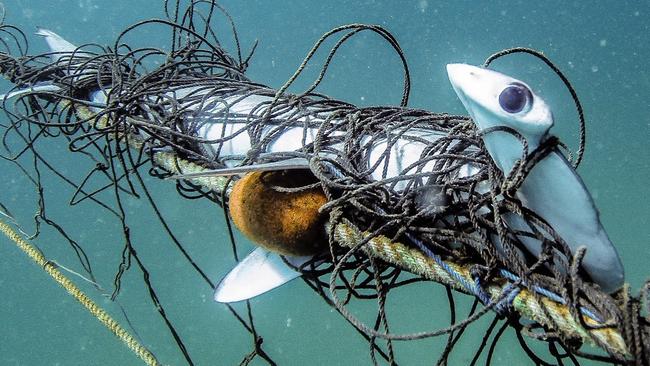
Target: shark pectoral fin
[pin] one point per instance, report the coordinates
(288, 164)
(261, 271)
(55, 42)
(36, 88)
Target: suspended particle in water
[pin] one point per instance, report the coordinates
(424, 4)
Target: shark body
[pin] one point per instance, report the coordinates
(552, 189)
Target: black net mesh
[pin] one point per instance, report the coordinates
(413, 176)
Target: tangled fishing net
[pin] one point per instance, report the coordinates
(191, 108)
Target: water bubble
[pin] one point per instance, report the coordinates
(603, 42)
(28, 13)
(424, 4)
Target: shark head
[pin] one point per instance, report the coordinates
(552, 189)
(496, 100)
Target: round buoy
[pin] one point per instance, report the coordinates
(287, 223)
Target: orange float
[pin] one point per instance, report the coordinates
(288, 223)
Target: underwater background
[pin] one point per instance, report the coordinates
(603, 48)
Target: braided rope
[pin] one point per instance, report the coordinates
(547, 312)
(92, 307)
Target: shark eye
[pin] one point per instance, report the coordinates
(515, 98)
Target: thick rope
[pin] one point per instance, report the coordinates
(92, 307)
(547, 312)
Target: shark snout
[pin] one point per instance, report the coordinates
(463, 76)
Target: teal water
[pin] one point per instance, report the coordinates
(603, 47)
